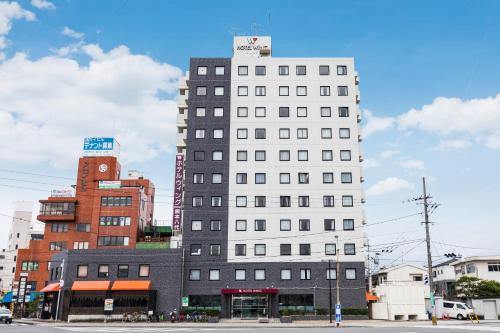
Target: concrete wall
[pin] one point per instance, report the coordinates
(480, 308)
(404, 301)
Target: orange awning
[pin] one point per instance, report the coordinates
(53, 287)
(371, 297)
(90, 285)
(131, 285)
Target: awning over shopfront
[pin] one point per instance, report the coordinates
(228, 291)
(371, 297)
(90, 285)
(131, 285)
(7, 297)
(53, 287)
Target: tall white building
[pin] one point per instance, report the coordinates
(272, 181)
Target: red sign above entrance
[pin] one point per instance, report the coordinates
(251, 291)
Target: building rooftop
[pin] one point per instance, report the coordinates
(478, 258)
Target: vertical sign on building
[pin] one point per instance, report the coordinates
(21, 291)
(178, 184)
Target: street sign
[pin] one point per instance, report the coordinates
(185, 301)
(108, 305)
(338, 313)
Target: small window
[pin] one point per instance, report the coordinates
(302, 133)
(284, 133)
(241, 201)
(197, 201)
(219, 70)
(284, 178)
(198, 178)
(326, 111)
(326, 133)
(241, 155)
(285, 225)
(331, 274)
(219, 91)
(286, 249)
(304, 225)
(199, 155)
(242, 91)
(241, 178)
(103, 271)
(202, 70)
(347, 201)
(301, 91)
(283, 70)
(196, 225)
(324, 91)
(260, 112)
(260, 155)
(286, 274)
(341, 70)
(328, 201)
(305, 273)
(350, 273)
(343, 112)
(284, 112)
(194, 275)
(260, 70)
(302, 155)
(218, 112)
(195, 250)
(301, 111)
(303, 178)
(327, 177)
(345, 155)
(260, 201)
(327, 155)
(199, 133)
(324, 70)
(260, 274)
(346, 177)
(348, 224)
(242, 112)
(260, 133)
(284, 91)
(285, 201)
(260, 178)
(201, 91)
(242, 133)
(260, 225)
(217, 178)
(305, 249)
(344, 133)
(215, 225)
(329, 224)
(240, 250)
(217, 201)
(300, 70)
(216, 156)
(303, 201)
(260, 249)
(330, 249)
(242, 70)
(122, 271)
(349, 249)
(284, 155)
(218, 133)
(240, 274)
(260, 91)
(241, 225)
(200, 112)
(82, 271)
(214, 275)
(342, 90)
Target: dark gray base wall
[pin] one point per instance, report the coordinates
(352, 292)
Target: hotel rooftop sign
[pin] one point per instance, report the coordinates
(251, 46)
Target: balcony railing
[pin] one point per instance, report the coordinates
(57, 211)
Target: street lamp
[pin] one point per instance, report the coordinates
(337, 271)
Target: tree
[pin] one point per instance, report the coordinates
(473, 287)
(488, 288)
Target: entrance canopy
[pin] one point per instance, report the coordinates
(131, 285)
(228, 291)
(53, 287)
(90, 285)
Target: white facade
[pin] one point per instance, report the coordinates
(482, 267)
(399, 301)
(402, 273)
(305, 126)
(445, 272)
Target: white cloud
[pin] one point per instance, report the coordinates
(50, 104)
(370, 163)
(43, 4)
(388, 185)
(413, 164)
(69, 49)
(446, 116)
(376, 124)
(453, 144)
(386, 154)
(10, 11)
(66, 31)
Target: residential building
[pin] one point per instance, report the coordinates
(482, 267)
(272, 182)
(400, 273)
(444, 277)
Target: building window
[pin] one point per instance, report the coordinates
(329, 224)
(216, 201)
(82, 271)
(219, 91)
(214, 249)
(57, 246)
(240, 250)
(194, 275)
(284, 133)
(103, 271)
(83, 227)
(218, 133)
(242, 91)
(260, 91)
(241, 178)
(285, 201)
(242, 70)
(283, 70)
(199, 133)
(324, 70)
(29, 266)
(260, 274)
(216, 156)
(241, 201)
(286, 274)
(219, 70)
(302, 133)
(217, 178)
(260, 155)
(348, 224)
(260, 225)
(301, 112)
(345, 155)
(241, 225)
(112, 241)
(330, 249)
(301, 91)
(200, 112)
(202, 70)
(284, 91)
(242, 133)
(284, 112)
(260, 70)
(304, 225)
(116, 201)
(343, 112)
(326, 133)
(347, 201)
(331, 274)
(341, 70)
(285, 225)
(260, 133)
(260, 249)
(302, 155)
(350, 273)
(327, 155)
(327, 177)
(260, 112)
(344, 133)
(326, 111)
(215, 225)
(197, 201)
(305, 274)
(201, 91)
(260, 178)
(303, 201)
(240, 274)
(122, 271)
(195, 250)
(349, 249)
(324, 91)
(242, 112)
(241, 155)
(328, 201)
(199, 155)
(300, 70)
(198, 178)
(57, 227)
(214, 275)
(80, 245)
(286, 249)
(284, 155)
(196, 225)
(284, 178)
(346, 177)
(342, 90)
(260, 201)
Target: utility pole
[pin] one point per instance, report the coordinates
(369, 268)
(337, 247)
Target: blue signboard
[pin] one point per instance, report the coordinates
(338, 313)
(100, 147)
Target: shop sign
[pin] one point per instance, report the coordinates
(251, 46)
(178, 191)
(108, 304)
(185, 301)
(101, 147)
(251, 291)
(61, 193)
(110, 184)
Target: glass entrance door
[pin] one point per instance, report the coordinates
(246, 306)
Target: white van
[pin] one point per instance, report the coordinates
(456, 310)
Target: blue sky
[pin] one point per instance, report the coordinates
(439, 59)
